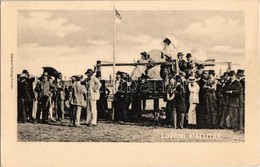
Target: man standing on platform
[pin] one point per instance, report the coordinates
(182, 63)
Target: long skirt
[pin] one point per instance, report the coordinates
(192, 114)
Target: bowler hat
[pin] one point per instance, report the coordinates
(225, 74)
(89, 71)
(145, 54)
(240, 72)
(212, 72)
(180, 54)
(118, 73)
(167, 41)
(178, 78)
(231, 73)
(25, 72)
(188, 55)
(78, 77)
(200, 66)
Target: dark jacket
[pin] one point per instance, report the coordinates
(43, 88)
(24, 91)
(60, 93)
(183, 65)
(180, 96)
(233, 99)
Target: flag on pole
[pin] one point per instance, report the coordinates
(118, 17)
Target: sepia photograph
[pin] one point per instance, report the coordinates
(164, 78)
(114, 75)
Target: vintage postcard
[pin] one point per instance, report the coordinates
(128, 83)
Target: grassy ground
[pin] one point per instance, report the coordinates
(107, 131)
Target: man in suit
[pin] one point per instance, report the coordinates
(93, 85)
(43, 89)
(123, 98)
(232, 90)
(60, 97)
(23, 98)
(30, 79)
(77, 101)
(241, 79)
(201, 109)
(181, 103)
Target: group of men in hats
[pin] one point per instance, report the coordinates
(51, 93)
(204, 101)
(84, 95)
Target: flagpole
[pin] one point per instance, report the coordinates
(114, 48)
(114, 52)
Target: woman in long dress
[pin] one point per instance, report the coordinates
(193, 101)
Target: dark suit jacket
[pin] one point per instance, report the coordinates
(180, 96)
(233, 99)
(60, 89)
(24, 91)
(183, 65)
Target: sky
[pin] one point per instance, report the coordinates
(72, 41)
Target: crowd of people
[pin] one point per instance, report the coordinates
(194, 96)
(50, 99)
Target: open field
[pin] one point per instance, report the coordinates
(107, 131)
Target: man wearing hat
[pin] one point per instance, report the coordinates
(23, 98)
(221, 96)
(60, 97)
(43, 89)
(211, 100)
(92, 86)
(30, 79)
(77, 101)
(123, 98)
(241, 79)
(166, 51)
(232, 91)
(182, 62)
(201, 109)
(193, 101)
(181, 103)
(191, 65)
(69, 94)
